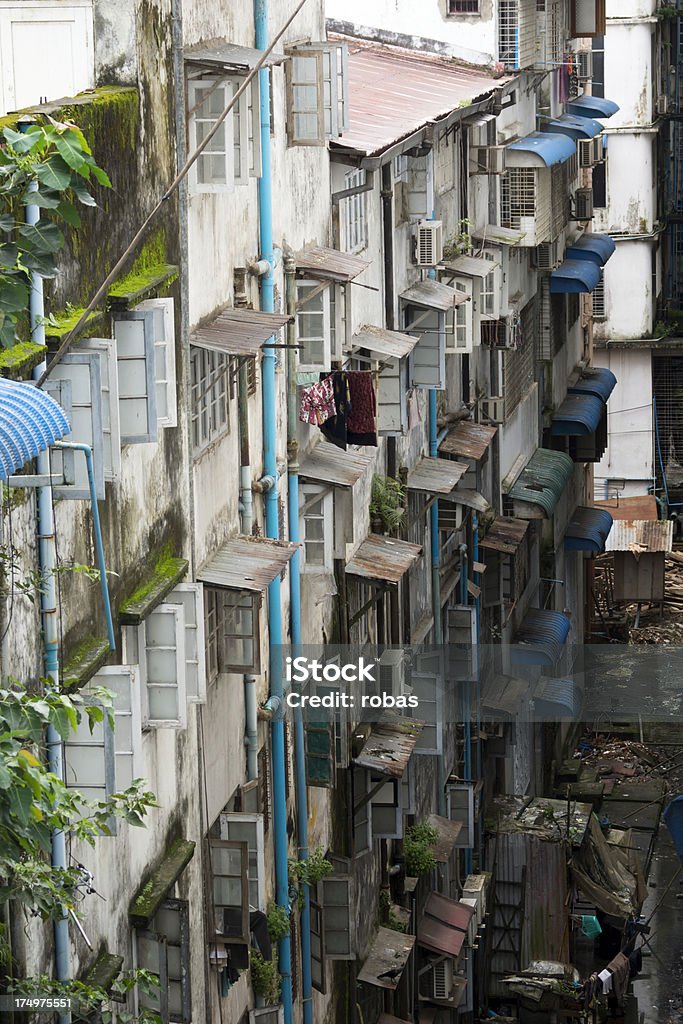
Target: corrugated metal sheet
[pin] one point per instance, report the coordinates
(505, 534)
(216, 53)
(640, 507)
(395, 92)
(448, 836)
(238, 332)
(471, 440)
(247, 563)
(389, 746)
(383, 558)
(575, 126)
(641, 535)
(578, 416)
(443, 925)
(543, 479)
(319, 262)
(472, 266)
(588, 530)
(593, 246)
(557, 700)
(383, 342)
(328, 464)
(574, 277)
(595, 380)
(592, 106)
(30, 421)
(544, 149)
(471, 499)
(388, 955)
(434, 294)
(435, 476)
(541, 637)
(495, 235)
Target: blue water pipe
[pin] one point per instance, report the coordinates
(434, 525)
(265, 205)
(477, 612)
(467, 753)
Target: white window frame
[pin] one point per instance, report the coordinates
(437, 368)
(392, 394)
(164, 359)
(389, 796)
(241, 851)
(256, 863)
(247, 132)
(124, 682)
(157, 1000)
(135, 352)
(457, 795)
(191, 597)
(353, 213)
(98, 743)
(417, 193)
(460, 320)
(111, 430)
(335, 907)
(209, 397)
(490, 288)
(304, 313)
(174, 681)
(426, 679)
(196, 117)
(86, 422)
(313, 495)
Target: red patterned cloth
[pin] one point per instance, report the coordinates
(317, 403)
(361, 424)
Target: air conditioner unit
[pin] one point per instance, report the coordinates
(662, 104)
(547, 256)
(442, 980)
(583, 204)
(495, 333)
(493, 409)
(429, 243)
(392, 672)
(488, 160)
(584, 65)
(587, 151)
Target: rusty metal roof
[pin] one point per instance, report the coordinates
(383, 558)
(217, 53)
(238, 332)
(435, 295)
(642, 506)
(443, 926)
(319, 262)
(389, 746)
(388, 955)
(247, 563)
(473, 266)
(448, 836)
(394, 92)
(331, 465)
(505, 534)
(435, 476)
(641, 536)
(469, 439)
(383, 342)
(471, 499)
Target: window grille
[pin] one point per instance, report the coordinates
(463, 6)
(518, 366)
(210, 405)
(508, 34)
(517, 196)
(599, 311)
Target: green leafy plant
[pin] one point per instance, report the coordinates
(49, 166)
(460, 243)
(91, 1001)
(265, 979)
(277, 922)
(387, 502)
(312, 870)
(418, 849)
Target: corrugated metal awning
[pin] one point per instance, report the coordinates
(471, 440)
(390, 745)
(444, 924)
(505, 535)
(247, 563)
(575, 126)
(641, 536)
(574, 277)
(383, 558)
(592, 246)
(435, 476)
(387, 959)
(321, 263)
(557, 700)
(540, 149)
(435, 295)
(503, 694)
(592, 106)
(382, 342)
(328, 464)
(543, 480)
(30, 421)
(541, 637)
(578, 416)
(238, 332)
(595, 380)
(495, 235)
(219, 54)
(472, 266)
(588, 530)
(471, 499)
(448, 836)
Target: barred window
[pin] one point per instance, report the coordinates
(517, 196)
(518, 366)
(210, 399)
(355, 218)
(463, 6)
(599, 311)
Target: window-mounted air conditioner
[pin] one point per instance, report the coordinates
(590, 151)
(547, 256)
(488, 160)
(662, 104)
(583, 204)
(584, 65)
(429, 243)
(442, 980)
(493, 409)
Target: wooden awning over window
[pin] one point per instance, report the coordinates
(239, 332)
(323, 264)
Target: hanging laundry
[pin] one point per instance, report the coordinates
(621, 970)
(361, 421)
(606, 979)
(317, 404)
(335, 428)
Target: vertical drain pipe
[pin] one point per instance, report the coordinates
(270, 469)
(246, 525)
(295, 625)
(467, 726)
(48, 606)
(477, 683)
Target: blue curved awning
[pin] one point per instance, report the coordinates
(574, 276)
(30, 421)
(557, 700)
(548, 148)
(575, 126)
(594, 247)
(592, 106)
(595, 380)
(578, 416)
(588, 530)
(540, 638)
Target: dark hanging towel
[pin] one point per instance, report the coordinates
(361, 423)
(335, 429)
(259, 932)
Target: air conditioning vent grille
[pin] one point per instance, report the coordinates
(429, 243)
